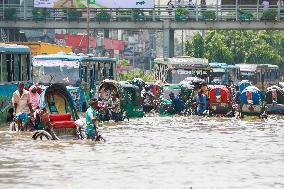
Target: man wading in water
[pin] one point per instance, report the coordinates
(22, 105)
(91, 118)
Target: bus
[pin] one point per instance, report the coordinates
(219, 73)
(260, 75)
(223, 73)
(233, 74)
(15, 66)
(80, 73)
(175, 70)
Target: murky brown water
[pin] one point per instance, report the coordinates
(168, 152)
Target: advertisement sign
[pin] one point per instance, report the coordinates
(94, 3)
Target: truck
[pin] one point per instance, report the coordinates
(41, 48)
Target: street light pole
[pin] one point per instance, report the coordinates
(88, 26)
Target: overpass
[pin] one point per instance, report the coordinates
(160, 18)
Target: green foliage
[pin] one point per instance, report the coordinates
(195, 47)
(137, 73)
(40, 14)
(181, 11)
(103, 15)
(181, 14)
(243, 15)
(138, 14)
(269, 15)
(123, 62)
(209, 15)
(73, 14)
(10, 13)
(238, 46)
(217, 51)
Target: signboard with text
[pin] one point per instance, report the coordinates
(94, 3)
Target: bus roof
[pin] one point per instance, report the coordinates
(254, 67)
(269, 66)
(95, 58)
(233, 66)
(58, 57)
(247, 67)
(218, 65)
(177, 62)
(13, 48)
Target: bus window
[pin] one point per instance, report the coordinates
(4, 69)
(1, 67)
(25, 68)
(8, 68)
(84, 72)
(107, 68)
(17, 68)
(111, 71)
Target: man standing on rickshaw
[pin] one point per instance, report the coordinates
(91, 118)
(22, 104)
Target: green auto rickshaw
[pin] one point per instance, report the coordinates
(128, 94)
(165, 106)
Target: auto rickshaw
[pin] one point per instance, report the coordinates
(129, 95)
(274, 98)
(220, 99)
(243, 84)
(165, 106)
(251, 102)
(57, 114)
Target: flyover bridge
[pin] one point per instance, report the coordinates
(159, 18)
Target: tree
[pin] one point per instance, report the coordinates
(238, 46)
(217, 51)
(195, 47)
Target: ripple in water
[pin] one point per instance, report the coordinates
(152, 152)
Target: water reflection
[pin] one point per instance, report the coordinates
(152, 152)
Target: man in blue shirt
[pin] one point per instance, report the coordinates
(177, 103)
(91, 118)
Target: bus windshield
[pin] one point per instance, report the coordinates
(178, 75)
(218, 74)
(56, 71)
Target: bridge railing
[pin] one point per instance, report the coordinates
(221, 12)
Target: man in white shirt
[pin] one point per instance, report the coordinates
(21, 100)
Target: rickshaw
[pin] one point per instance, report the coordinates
(165, 106)
(251, 102)
(57, 114)
(274, 98)
(129, 95)
(220, 99)
(243, 84)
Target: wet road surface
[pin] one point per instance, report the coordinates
(151, 152)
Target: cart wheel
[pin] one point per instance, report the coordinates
(42, 135)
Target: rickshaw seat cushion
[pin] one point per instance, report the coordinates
(61, 121)
(63, 124)
(59, 117)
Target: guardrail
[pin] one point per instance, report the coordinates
(221, 12)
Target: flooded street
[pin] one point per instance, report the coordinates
(152, 152)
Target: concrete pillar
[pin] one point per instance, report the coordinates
(168, 41)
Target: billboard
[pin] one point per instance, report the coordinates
(94, 3)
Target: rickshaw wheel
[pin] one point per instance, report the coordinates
(42, 135)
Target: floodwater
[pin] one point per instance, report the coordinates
(151, 152)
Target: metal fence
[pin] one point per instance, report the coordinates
(221, 12)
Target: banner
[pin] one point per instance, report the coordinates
(94, 3)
